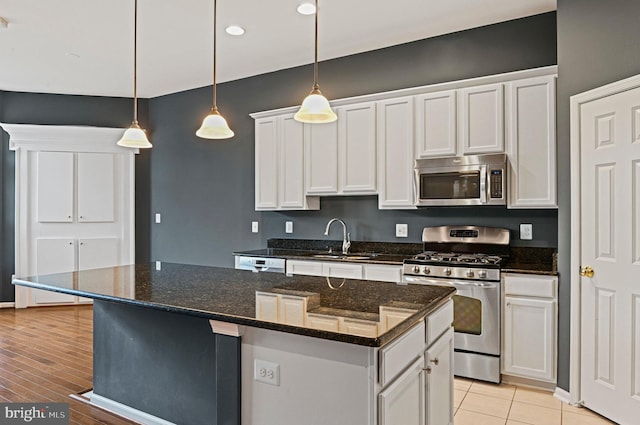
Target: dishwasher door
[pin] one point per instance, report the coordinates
(260, 264)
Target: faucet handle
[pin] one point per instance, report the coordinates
(346, 244)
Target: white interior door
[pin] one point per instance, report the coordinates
(610, 245)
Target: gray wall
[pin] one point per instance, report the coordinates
(597, 44)
(31, 108)
(205, 189)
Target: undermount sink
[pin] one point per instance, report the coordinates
(344, 256)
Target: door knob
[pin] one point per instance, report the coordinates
(587, 271)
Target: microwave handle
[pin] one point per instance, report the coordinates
(483, 184)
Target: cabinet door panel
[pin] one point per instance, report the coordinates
(55, 255)
(532, 143)
(291, 179)
(96, 187)
(402, 402)
(321, 158)
(439, 359)
(436, 124)
(96, 253)
(266, 164)
(55, 187)
(529, 338)
(482, 119)
(357, 140)
(395, 153)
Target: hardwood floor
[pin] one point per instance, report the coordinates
(46, 355)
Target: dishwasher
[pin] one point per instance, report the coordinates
(260, 264)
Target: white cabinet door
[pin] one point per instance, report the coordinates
(321, 158)
(402, 402)
(357, 144)
(481, 125)
(55, 192)
(291, 169)
(309, 268)
(97, 253)
(266, 157)
(439, 361)
(382, 272)
(342, 270)
(96, 187)
(395, 153)
(54, 255)
(529, 337)
(436, 121)
(531, 146)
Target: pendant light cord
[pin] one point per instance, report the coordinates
(215, 19)
(315, 67)
(135, 63)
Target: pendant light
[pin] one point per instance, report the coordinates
(315, 107)
(134, 136)
(214, 125)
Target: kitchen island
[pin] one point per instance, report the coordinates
(188, 344)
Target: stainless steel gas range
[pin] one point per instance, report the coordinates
(468, 258)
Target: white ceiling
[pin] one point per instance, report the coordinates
(86, 46)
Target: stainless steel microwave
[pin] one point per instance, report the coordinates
(462, 180)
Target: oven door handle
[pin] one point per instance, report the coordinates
(455, 283)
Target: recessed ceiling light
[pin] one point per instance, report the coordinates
(307, 9)
(234, 30)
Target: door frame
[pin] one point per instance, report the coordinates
(576, 102)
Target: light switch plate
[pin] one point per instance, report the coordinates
(157, 217)
(402, 230)
(254, 227)
(526, 231)
(288, 227)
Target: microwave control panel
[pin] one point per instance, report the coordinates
(495, 182)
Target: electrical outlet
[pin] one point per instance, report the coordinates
(288, 227)
(157, 217)
(254, 227)
(526, 232)
(402, 230)
(158, 265)
(266, 372)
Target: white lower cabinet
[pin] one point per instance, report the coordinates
(439, 370)
(346, 270)
(402, 402)
(530, 327)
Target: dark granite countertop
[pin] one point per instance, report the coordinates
(230, 295)
(528, 260)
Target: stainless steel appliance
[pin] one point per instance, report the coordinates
(468, 258)
(463, 180)
(260, 264)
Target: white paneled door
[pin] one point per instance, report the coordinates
(609, 129)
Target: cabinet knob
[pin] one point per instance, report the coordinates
(68, 216)
(427, 369)
(435, 361)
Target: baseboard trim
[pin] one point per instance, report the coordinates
(562, 395)
(7, 305)
(528, 382)
(120, 409)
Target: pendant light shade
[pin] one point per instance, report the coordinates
(134, 136)
(214, 125)
(315, 108)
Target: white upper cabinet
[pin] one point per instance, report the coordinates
(340, 157)
(395, 153)
(279, 156)
(481, 123)
(436, 124)
(96, 183)
(531, 146)
(55, 182)
(321, 158)
(357, 148)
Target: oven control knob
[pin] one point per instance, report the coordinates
(426, 270)
(447, 272)
(470, 273)
(416, 269)
(482, 274)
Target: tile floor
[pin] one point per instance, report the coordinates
(479, 403)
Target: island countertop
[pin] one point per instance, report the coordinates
(229, 295)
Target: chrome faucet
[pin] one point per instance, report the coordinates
(346, 237)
